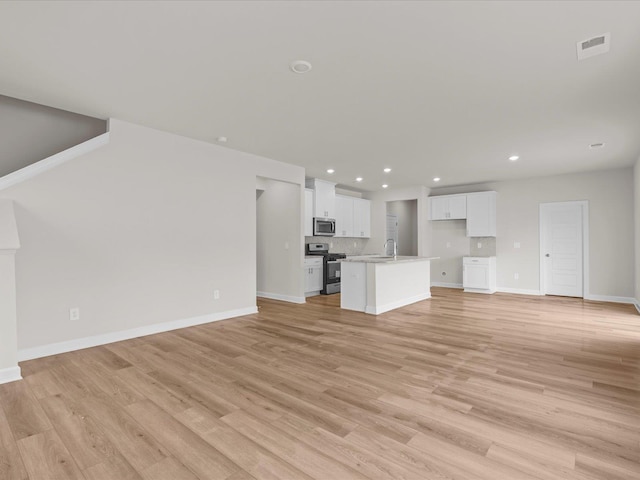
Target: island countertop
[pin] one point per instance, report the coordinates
(386, 259)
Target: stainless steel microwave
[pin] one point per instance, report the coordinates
(324, 227)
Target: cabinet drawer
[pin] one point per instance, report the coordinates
(312, 262)
(476, 260)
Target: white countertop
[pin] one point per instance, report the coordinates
(383, 259)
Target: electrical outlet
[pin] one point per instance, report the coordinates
(516, 244)
(216, 294)
(286, 245)
(448, 244)
(74, 314)
(355, 244)
(479, 245)
(516, 276)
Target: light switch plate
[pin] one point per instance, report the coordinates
(516, 244)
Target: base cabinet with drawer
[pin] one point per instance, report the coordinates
(313, 271)
(479, 274)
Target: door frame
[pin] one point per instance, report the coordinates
(585, 243)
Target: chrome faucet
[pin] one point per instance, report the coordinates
(395, 247)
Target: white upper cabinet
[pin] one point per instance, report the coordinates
(353, 217)
(324, 197)
(361, 218)
(308, 212)
(481, 214)
(344, 216)
(352, 214)
(448, 207)
(478, 208)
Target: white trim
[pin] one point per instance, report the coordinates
(93, 341)
(393, 305)
(585, 244)
(486, 291)
(10, 374)
(446, 285)
(314, 293)
(636, 303)
(610, 298)
(48, 163)
(518, 291)
(284, 298)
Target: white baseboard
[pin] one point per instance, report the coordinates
(93, 341)
(284, 298)
(610, 298)
(483, 291)
(519, 291)
(10, 374)
(48, 163)
(393, 305)
(446, 285)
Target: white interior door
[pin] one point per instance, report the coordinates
(561, 235)
(392, 232)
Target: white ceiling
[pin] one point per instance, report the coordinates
(448, 89)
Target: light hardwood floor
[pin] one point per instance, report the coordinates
(461, 386)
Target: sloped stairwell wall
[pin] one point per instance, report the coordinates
(30, 132)
(137, 235)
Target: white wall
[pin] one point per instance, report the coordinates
(279, 274)
(379, 216)
(610, 197)
(136, 233)
(9, 244)
(636, 190)
(406, 212)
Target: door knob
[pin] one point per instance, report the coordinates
(547, 255)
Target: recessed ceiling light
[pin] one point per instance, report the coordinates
(597, 145)
(513, 158)
(330, 170)
(385, 185)
(387, 170)
(222, 139)
(358, 179)
(436, 179)
(300, 66)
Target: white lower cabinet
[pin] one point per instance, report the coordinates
(313, 271)
(479, 274)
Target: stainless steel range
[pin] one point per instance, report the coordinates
(331, 270)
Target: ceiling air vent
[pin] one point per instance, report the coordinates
(593, 46)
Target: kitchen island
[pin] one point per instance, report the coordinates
(377, 284)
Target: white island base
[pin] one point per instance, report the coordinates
(376, 285)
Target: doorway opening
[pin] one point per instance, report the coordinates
(279, 241)
(402, 226)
